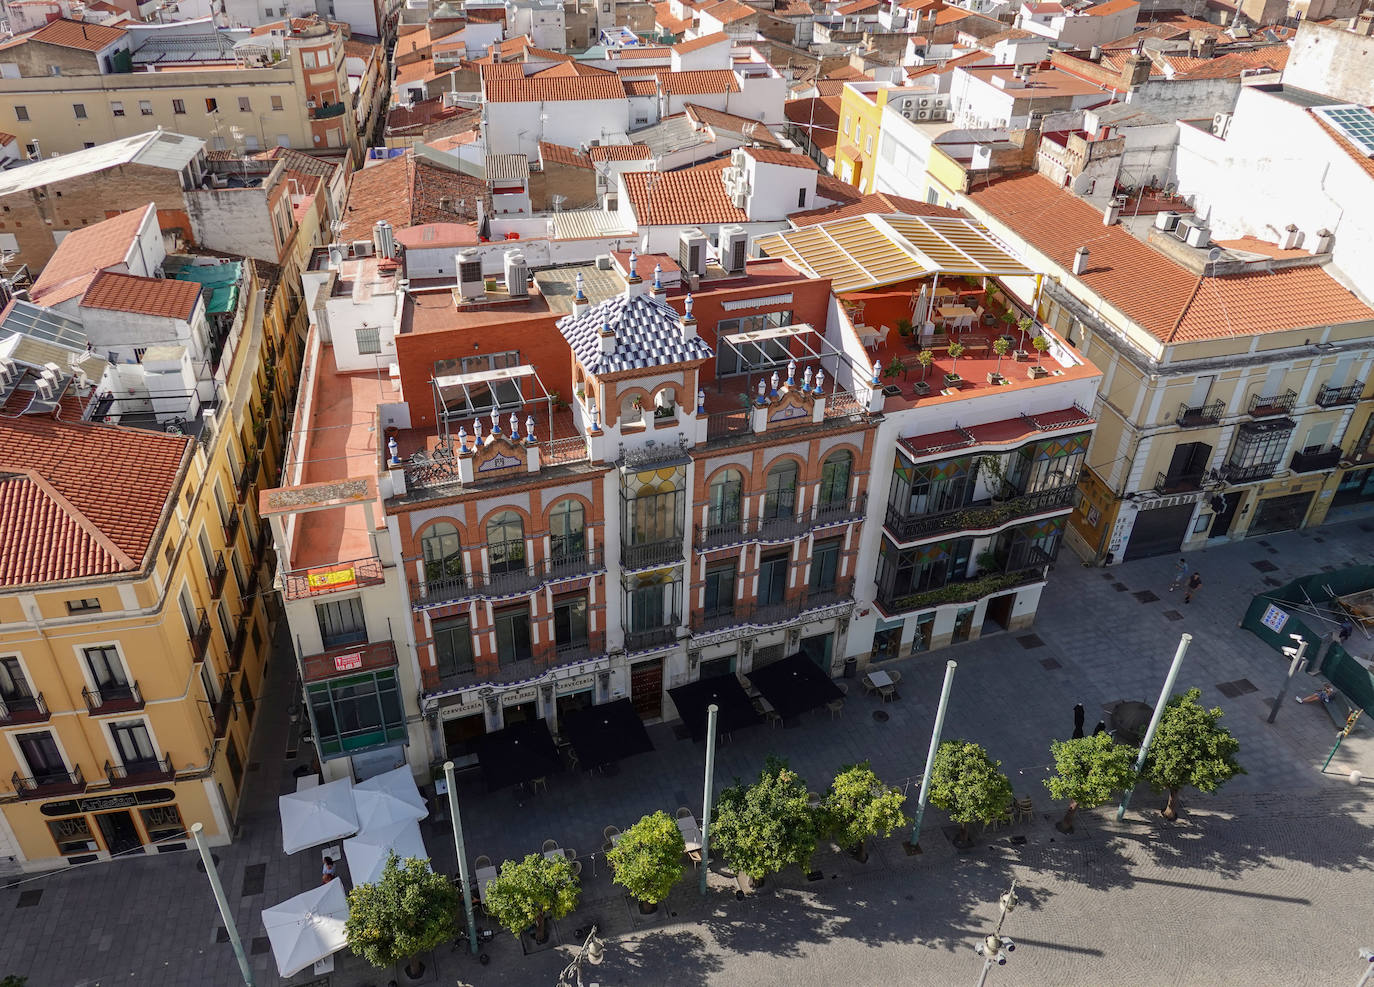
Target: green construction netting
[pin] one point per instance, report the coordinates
(220, 281)
(1294, 605)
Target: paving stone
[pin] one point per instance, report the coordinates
(1173, 614)
(1049, 664)
(1029, 641)
(1145, 596)
(1264, 565)
(29, 898)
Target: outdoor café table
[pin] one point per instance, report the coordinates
(554, 854)
(879, 679)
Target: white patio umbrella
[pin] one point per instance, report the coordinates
(317, 815)
(367, 852)
(388, 798)
(308, 927)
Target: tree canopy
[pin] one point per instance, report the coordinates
(647, 862)
(1191, 749)
(968, 784)
(527, 891)
(859, 806)
(761, 828)
(1090, 771)
(409, 911)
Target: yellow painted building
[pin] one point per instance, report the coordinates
(861, 118)
(133, 625)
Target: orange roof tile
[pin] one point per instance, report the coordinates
(72, 34)
(857, 7)
(621, 152)
(1110, 7)
(166, 297)
(719, 120)
(699, 82)
(502, 70)
(830, 187)
(81, 500)
(582, 87)
(564, 70)
(882, 203)
(1163, 297)
(1232, 64)
(84, 253)
(819, 119)
(729, 11)
(640, 51)
(705, 41)
(785, 159)
(564, 155)
(681, 198)
(641, 87)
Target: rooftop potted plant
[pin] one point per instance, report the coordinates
(952, 379)
(1041, 344)
(1000, 345)
(1024, 325)
(904, 327)
(894, 369)
(925, 358)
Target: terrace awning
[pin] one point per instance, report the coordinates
(692, 700)
(794, 685)
(602, 734)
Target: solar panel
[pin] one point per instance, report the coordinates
(1355, 124)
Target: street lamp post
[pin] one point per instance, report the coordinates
(915, 844)
(462, 855)
(225, 912)
(994, 948)
(711, 713)
(593, 951)
(1183, 643)
(1367, 955)
(1299, 655)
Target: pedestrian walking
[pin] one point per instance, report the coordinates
(1347, 628)
(328, 873)
(1180, 574)
(1100, 728)
(1194, 584)
(1078, 721)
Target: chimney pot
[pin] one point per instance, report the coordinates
(1080, 260)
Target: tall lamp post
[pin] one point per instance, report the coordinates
(1299, 655)
(711, 713)
(593, 951)
(994, 948)
(225, 912)
(1183, 643)
(457, 821)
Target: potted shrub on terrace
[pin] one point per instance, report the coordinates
(952, 379)
(925, 358)
(647, 861)
(531, 891)
(1024, 325)
(1041, 344)
(1000, 345)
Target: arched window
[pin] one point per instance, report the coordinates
(835, 473)
(724, 495)
(505, 542)
(780, 492)
(567, 530)
(443, 552)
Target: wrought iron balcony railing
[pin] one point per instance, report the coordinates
(216, 576)
(510, 582)
(1264, 405)
(327, 579)
(121, 698)
(49, 785)
(147, 772)
(978, 517)
(667, 551)
(23, 709)
(650, 637)
(1248, 474)
(200, 641)
(1195, 416)
(1172, 483)
(249, 474)
(965, 590)
(1319, 459)
(1329, 397)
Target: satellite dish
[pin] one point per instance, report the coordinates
(1214, 255)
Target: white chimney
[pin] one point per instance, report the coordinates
(1289, 240)
(607, 336)
(1080, 260)
(634, 284)
(1324, 241)
(580, 303)
(1111, 214)
(688, 321)
(657, 290)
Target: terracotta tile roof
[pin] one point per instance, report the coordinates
(570, 157)
(666, 21)
(365, 50)
(621, 152)
(857, 7)
(524, 46)
(681, 198)
(71, 34)
(501, 70)
(7, 139)
(486, 15)
(642, 51)
(80, 500)
(164, 297)
(582, 87)
(882, 203)
(407, 192)
(699, 82)
(84, 253)
(452, 141)
(1254, 245)
(720, 121)
(848, 73)
(819, 119)
(1044, 84)
(785, 159)
(1010, 34)
(641, 87)
(729, 11)
(1232, 64)
(1167, 300)
(829, 87)
(565, 70)
(422, 114)
(705, 41)
(830, 187)
(1110, 7)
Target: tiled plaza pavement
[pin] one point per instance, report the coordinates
(152, 920)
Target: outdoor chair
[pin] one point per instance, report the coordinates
(695, 857)
(577, 868)
(481, 862)
(610, 831)
(1023, 809)
(539, 785)
(774, 718)
(869, 687)
(836, 707)
(549, 845)
(895, 676)
(888, 693)
(572, 758)
(685, 813)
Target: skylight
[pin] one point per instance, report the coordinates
(1355, 124)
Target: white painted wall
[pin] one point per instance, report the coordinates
(516, 128)
(774, 189)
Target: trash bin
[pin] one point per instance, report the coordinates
(851, 668)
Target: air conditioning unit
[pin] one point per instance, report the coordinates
(925, 102)
(691, 253)
(517, 274)
(45, 388)
(739, 199)
(907, 112)
(737, 157)
(1220, 124)
(469, 264)
(309, 104)
(734, 247)
(923, 115)
(1167, 221)
(362, 248)
(1185, 228)
(1199, 236)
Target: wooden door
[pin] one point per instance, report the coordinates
(646, 688)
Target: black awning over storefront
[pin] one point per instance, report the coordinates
(602, 734)
(692, 699)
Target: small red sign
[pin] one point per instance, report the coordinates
(352, 660)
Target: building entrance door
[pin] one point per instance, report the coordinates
(1221, 523)
(646, 688)
(121, 835)
(1279, 514)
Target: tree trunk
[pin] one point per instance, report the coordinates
(647, 907)
(964, 838)
(861, 852)
(1171, 807)
(541, 928)
(414, 968)
(1065, 825)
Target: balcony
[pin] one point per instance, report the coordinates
(327, 111)
(1197, 416)
(348, 660)
(223, 710)
(1263, 406)
(113, 699)
(23, 709)
(742, 612)
(217, 576)
(977, 517)
(231, 528)
(840, 512)
(49, 786)
(727, 424)
(651, 637)
(305, 583)
(496, 585)
(964, 591)
(572, 651)
(151, 772)
(200, 641)
(1172, 483)
(249, 474)
(783, 527)
(709, 536)
(1309, 461)
(1248, 474)
(1329, 397)
(648, 554)
(259, 432)
(240, 642)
